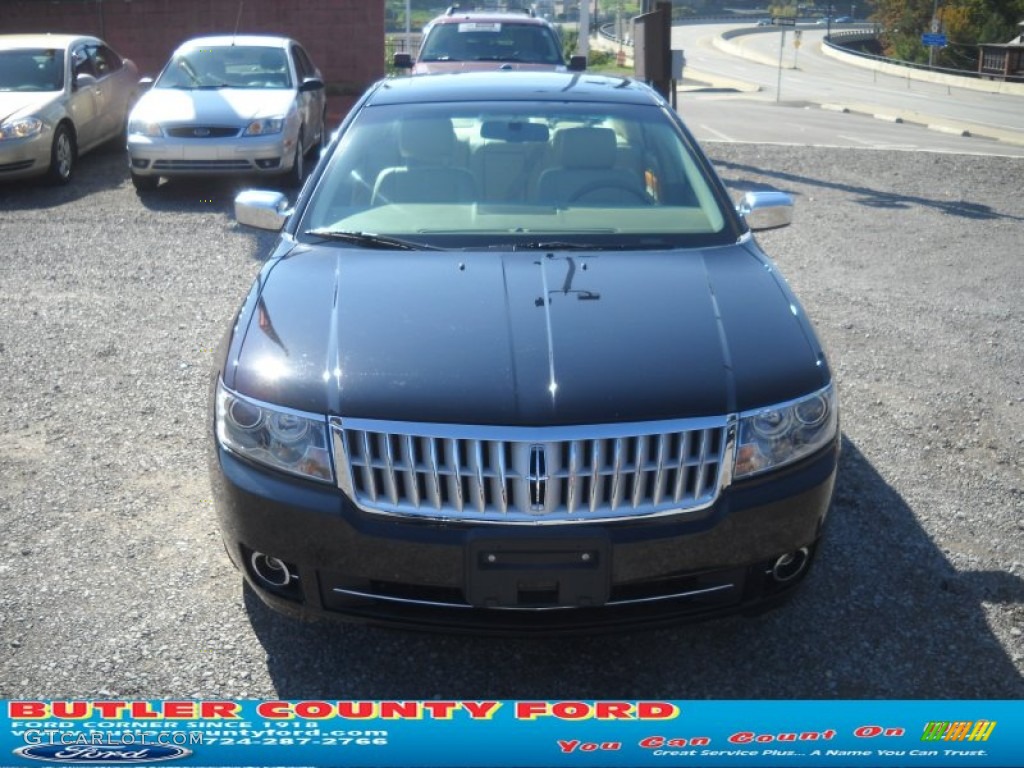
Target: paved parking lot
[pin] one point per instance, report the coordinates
(115, 583)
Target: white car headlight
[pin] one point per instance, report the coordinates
(21, 128)
(264, 126)
(772, 437)
(278, 437)
(144, 128)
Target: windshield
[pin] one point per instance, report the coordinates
(475, 175)
(228, 66)
(32, 70)
(491, 41)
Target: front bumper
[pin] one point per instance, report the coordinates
(166, 156)
(22, 158)
(432, 574)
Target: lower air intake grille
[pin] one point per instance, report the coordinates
(202, 165)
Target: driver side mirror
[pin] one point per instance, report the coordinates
(84, 80)
(577, 63)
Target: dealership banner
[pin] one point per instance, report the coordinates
(414, 733)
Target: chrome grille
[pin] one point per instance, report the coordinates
(516, 475)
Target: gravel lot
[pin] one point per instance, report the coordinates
(114, 582)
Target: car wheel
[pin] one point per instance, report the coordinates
(63, 155)
(145, 183)
(293, 178)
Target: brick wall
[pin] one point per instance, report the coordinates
(344, 37)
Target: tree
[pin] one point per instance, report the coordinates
(966, 23)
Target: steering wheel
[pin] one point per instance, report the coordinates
(594, 186)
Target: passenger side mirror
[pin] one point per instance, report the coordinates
(262, 209)
(311, 84)
(766, 210)
(402, 61)
(577, 63)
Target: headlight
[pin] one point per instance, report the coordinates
(265, 126)
(21, 128)
(144, 128)
(772, 437)
(278, 437)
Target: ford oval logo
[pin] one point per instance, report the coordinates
(103, 755)
(201, 132)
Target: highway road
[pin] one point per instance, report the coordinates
(738, 95)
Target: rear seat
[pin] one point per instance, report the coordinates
(503, 170)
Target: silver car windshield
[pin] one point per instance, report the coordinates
(460, 175)
(32, 70)
(226, 66)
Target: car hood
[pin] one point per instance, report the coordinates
(18, 104)
(230, 106)
(437, 67)
(468, 338)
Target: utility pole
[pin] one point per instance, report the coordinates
(936, 26)
(782, 47)
(408, 26)
(583, 33)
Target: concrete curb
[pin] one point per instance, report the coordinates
(956, 128)
(717, 82)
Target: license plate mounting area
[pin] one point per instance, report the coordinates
(531, 572)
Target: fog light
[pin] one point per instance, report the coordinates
(788, 567)
(270, 162)
(271, 571)
(139, 162)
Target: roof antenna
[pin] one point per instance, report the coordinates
(238, 20)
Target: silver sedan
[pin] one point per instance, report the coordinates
(223, 105)
(60, 96)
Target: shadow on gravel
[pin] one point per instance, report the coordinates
(215, 195)
(198, 195)
(862, 195)
(105, 168)
(883, 615)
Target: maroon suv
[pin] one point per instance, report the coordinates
(480, 40)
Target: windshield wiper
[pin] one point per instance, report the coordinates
(370, 240)
(185, 66)
(557, 245)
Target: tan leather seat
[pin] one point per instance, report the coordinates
(427, 147)
(586, 173)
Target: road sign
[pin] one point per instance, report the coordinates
(784, 21)
(936, 26)
(936, 41)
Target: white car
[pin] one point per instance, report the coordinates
(60, 96)
(229, 105)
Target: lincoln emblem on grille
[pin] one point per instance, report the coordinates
(538, 477)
